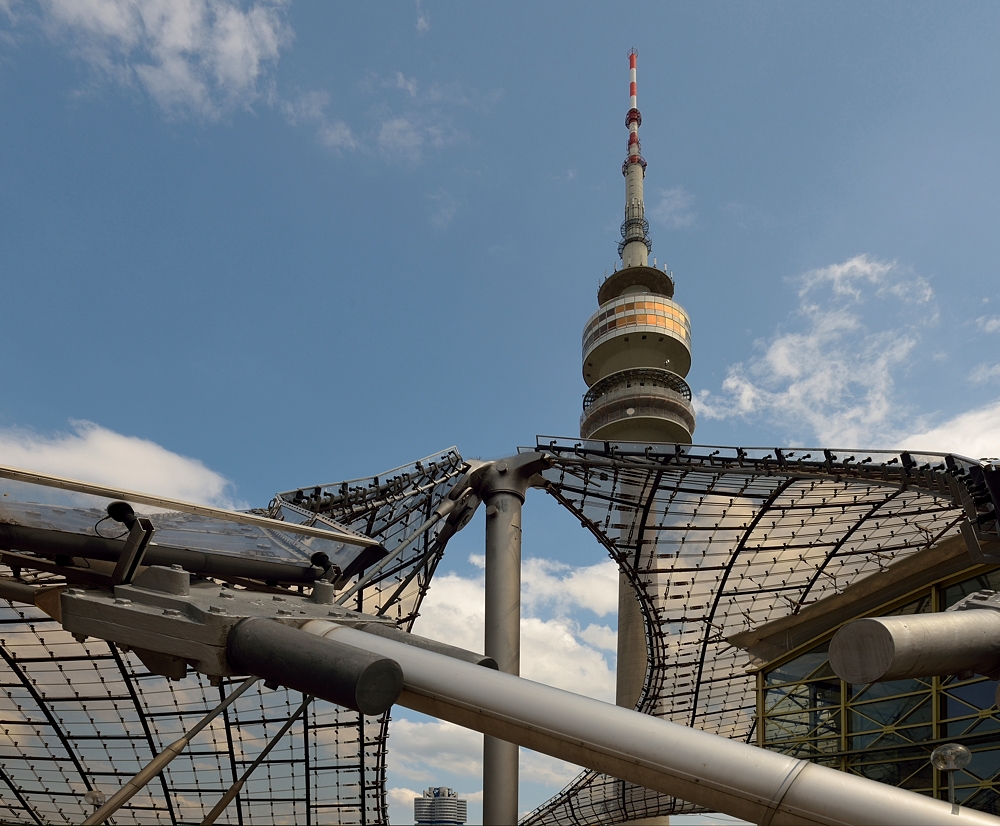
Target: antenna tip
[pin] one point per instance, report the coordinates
(633, 52)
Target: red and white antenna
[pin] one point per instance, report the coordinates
(635, 244)
(633, 120)
(632, 55)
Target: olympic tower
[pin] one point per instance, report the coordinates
(636, 353)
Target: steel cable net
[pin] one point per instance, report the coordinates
(77, 717)
(719, 541)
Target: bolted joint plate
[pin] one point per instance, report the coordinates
(515, 475)
(188, 622)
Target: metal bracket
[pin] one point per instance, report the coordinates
(135, 549)
(172, 622)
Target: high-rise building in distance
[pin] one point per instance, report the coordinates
(439, 806)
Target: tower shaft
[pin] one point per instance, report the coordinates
(636, 353)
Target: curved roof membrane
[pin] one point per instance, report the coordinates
(84, 716)
(721, 545)
(718, 542)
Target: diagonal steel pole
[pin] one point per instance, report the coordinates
(162, 760)
(375, 569)
(237, 787)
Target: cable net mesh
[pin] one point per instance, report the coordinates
(719, 541)
(84, 716)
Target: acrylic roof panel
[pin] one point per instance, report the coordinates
(79, 716)
(719, 541)
(39, 507)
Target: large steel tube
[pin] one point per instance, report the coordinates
(391, 633)
(723, 775)
(357, 678)
(917, 645)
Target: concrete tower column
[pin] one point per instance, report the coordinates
(636, 353)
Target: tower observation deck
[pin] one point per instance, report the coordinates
(637, 346)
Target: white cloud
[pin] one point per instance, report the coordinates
(305, 107)
(834, 379)
(540, 768)
(400, 136)
(547, 584)
(989, 324)
(407, 84)
(423, 24)
(424, 751)
(200, 57)
(454, 611)
(553, 653)
(975, 434)
(554, 649)
(888, 277)
(674, 209)
(92, 453)
(401, 798)
(310, 107)
(445, 206)
(428, 752)
(600, 636)
(984, 373)
(337, 135)
(420, 750)
(405, 137)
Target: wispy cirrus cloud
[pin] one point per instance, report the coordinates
(310, 108)
(985, 373)
(423, 24)
(833, 377)
(201, 58)
(410, 85)
(444, 206)
(398, 130)
(989, 324)
(205, 59)
(411, 124)
(862, 272)
(674, 209)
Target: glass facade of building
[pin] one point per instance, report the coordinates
(886, 731)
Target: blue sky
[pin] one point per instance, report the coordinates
(296, 243)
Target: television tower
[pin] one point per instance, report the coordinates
(636, 353)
